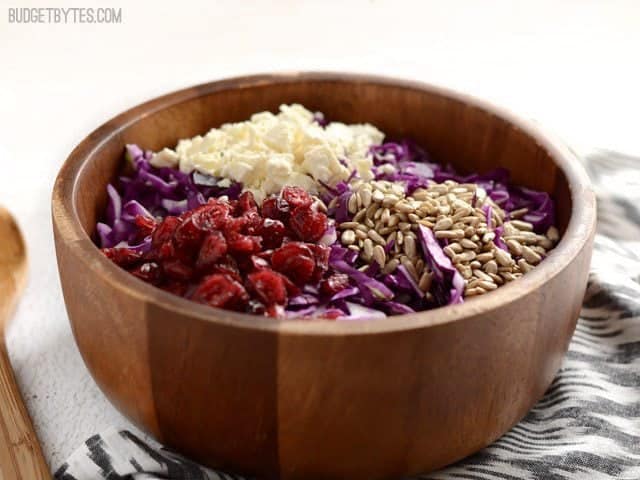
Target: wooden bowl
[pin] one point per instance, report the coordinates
(320, 399)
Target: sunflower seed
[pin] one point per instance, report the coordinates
(385, 216)
(368, 248)
(456, 247)
(514, 247)
(450, 234)
(348, 237)
(444, 209)
(425, 282)
(391, 265)
(365, 196)
(464, 257)
(465, 272)
(443, 224)
(466, 243)
(508, 276)
(461, 213)
(481, 275)
(376, 237)
(518, 213)
(449, 251)
(491, 267)
(471, 292)
(348, 225)
(487, 285)
(410, 268)
(524, 266)
(410, 246)
(552, 234)
(503, 258)
(421, 194)
(379, 255)
(377, 196)
(530, 256)
(352, 204)
(358, 217)
(498, 280)
(389, 200)
(520, 225)
(488, 237)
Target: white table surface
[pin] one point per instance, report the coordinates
(571, 65)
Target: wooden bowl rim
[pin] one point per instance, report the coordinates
(65, 217)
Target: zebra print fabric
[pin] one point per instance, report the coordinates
(587, 426)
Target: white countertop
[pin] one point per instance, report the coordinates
(571, 65)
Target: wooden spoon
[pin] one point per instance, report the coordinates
(20, 454)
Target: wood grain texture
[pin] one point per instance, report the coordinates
(318, 399)
(20, 454)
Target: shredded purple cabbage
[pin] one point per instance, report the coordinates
(448, 284)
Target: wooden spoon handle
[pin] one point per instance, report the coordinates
(20, 454)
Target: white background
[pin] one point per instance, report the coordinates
(571, 65)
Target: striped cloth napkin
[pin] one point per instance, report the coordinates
(587, 426)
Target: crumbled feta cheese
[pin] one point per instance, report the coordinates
(270, 151)
(165, 158)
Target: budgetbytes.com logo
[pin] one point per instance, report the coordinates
(64, 15)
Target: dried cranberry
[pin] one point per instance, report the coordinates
(308, 224)
(123, 257)
(272, 233)
(188, 237)
(291, 287)
(296, 197)
(177, 288)
(332, 314)
(211, 216)
(258, 263)
(213, 249)
(294, 260)
(256, 307)
(164, 232)
(177, 270)
(276, 208)
(234, 225)
(149, 272)
(322, 260)
(228, 266)
(275, 311)
(253, 222)
(146, 225)
(334, 284)
(268, 286)
(245, 202)
(221, 291)
(243, 244)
